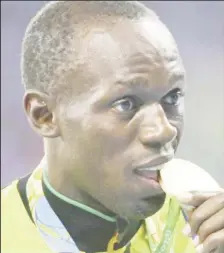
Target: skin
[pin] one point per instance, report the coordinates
(206, 221)
(130, 112)
(98, 139)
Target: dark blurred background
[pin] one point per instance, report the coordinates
(199, 31)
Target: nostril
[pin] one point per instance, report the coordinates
(155, 145)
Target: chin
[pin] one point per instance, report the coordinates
(142, 209)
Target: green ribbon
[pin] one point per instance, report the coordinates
(73, 202)
(167, 237)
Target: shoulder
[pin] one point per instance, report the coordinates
(19, 233)
(8, 192)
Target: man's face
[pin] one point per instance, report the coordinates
(129, 119)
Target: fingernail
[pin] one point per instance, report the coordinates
(184, 197)
(199, 249)
(187, 230)
(196, 241)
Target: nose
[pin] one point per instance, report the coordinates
(155, 129)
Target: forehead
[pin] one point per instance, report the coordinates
(127, 49)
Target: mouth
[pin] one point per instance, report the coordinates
(150, 171)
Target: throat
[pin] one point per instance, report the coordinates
(91, 233)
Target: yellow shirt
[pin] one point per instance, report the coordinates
(20, 235)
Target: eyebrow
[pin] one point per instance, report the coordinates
(177, 77)
(142, 81)
(134, 81)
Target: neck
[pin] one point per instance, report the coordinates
(90, 227)
(89, 231)
(75, 203)
(61, 185)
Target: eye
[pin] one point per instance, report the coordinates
(173, 98)
(127, 104)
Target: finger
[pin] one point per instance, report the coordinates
(210, 226)
(205, 211)
(194, 198)
(213, 243)
(198, 198)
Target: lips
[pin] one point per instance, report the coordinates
(151, 169)
(153, 175)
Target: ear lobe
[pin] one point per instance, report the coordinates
(41, 119)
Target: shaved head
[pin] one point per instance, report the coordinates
(51, 49)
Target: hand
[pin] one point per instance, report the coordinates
(206, 221)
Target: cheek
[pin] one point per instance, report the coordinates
(179, 125)
(107, 132)
(96, 140)
(97, 150)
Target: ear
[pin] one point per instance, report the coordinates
(41, 118)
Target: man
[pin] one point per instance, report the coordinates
(104, 88)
